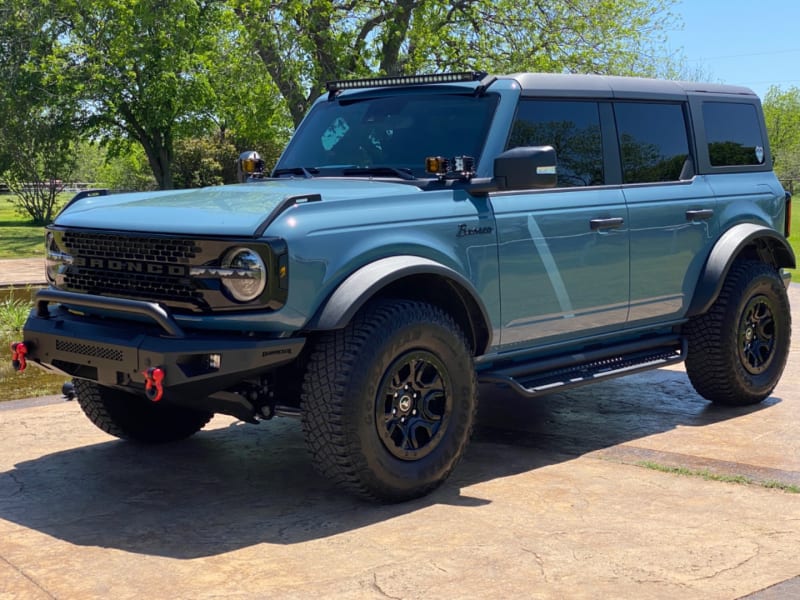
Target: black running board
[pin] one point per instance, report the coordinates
(568, 371)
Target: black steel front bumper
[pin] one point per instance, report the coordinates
(118, 352)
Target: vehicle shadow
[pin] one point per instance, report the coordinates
(236, 486)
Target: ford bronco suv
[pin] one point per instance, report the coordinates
(420, 235)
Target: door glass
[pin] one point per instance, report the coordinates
(572, 128)
(653, 142)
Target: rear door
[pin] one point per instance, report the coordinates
(672, 213)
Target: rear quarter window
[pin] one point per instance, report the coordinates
(733, 134)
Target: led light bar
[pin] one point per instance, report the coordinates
(351, 84)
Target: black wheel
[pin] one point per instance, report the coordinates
(738, 349)
(133, 417)
(389, 401)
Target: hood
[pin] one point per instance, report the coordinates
(232, 210)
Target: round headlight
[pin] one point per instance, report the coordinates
(245, 275)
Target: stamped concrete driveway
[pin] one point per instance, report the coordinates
(635, 488)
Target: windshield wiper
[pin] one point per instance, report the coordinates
(406, 174)
(306, 173)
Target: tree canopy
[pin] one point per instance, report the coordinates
(38, 109)
(782, 115)
(305, 44)
(143, 67)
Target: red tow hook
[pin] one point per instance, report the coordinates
(154, 378)
(18, 352)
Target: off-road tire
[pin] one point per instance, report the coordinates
(133, 417)
(738, 349)
(396, 355)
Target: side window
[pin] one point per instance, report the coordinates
(572, 128)
(653, 142)
(733, 134)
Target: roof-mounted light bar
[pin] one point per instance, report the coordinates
(351, 84)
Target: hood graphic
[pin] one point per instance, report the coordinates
(232, 210)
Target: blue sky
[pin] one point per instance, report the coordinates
(755, 43)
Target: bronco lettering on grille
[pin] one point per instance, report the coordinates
(130, 266)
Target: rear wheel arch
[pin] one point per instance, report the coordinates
(411, 278)
(745, 241)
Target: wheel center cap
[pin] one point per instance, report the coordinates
(405, 403)
(748, 335)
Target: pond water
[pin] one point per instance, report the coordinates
(33, 381)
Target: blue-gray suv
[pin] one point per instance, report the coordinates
(420, 235)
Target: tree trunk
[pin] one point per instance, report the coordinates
(395, 36)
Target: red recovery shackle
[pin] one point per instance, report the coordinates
(18, 352)
(153, 388)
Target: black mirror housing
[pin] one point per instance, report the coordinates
(526, 167)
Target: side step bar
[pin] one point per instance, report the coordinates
(538, 377)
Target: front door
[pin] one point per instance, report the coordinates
(563, 263)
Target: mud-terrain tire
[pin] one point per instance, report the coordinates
(389, 401)
(738, 349)
(133, 417)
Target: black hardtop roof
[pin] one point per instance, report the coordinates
(607, 86)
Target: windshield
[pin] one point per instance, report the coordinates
(379, 135)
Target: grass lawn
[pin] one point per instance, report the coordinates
(18, 239)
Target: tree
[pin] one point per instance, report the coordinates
(248, 111)
(143, 66)
(303, 44)
(37, 110)
(782, 115)
(204, 161)
(127, 171)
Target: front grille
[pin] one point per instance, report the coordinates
(140, 267)
(157, 268)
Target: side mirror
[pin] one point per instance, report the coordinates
(526, 167)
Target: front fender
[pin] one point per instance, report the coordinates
(368, 281)
(767, 245)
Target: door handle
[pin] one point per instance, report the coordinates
(699, 215)
(612, 223)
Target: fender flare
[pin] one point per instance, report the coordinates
(770, 246)
(362, 285)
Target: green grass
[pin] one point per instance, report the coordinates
(14, 309)
(18, 238)
(709, 476)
